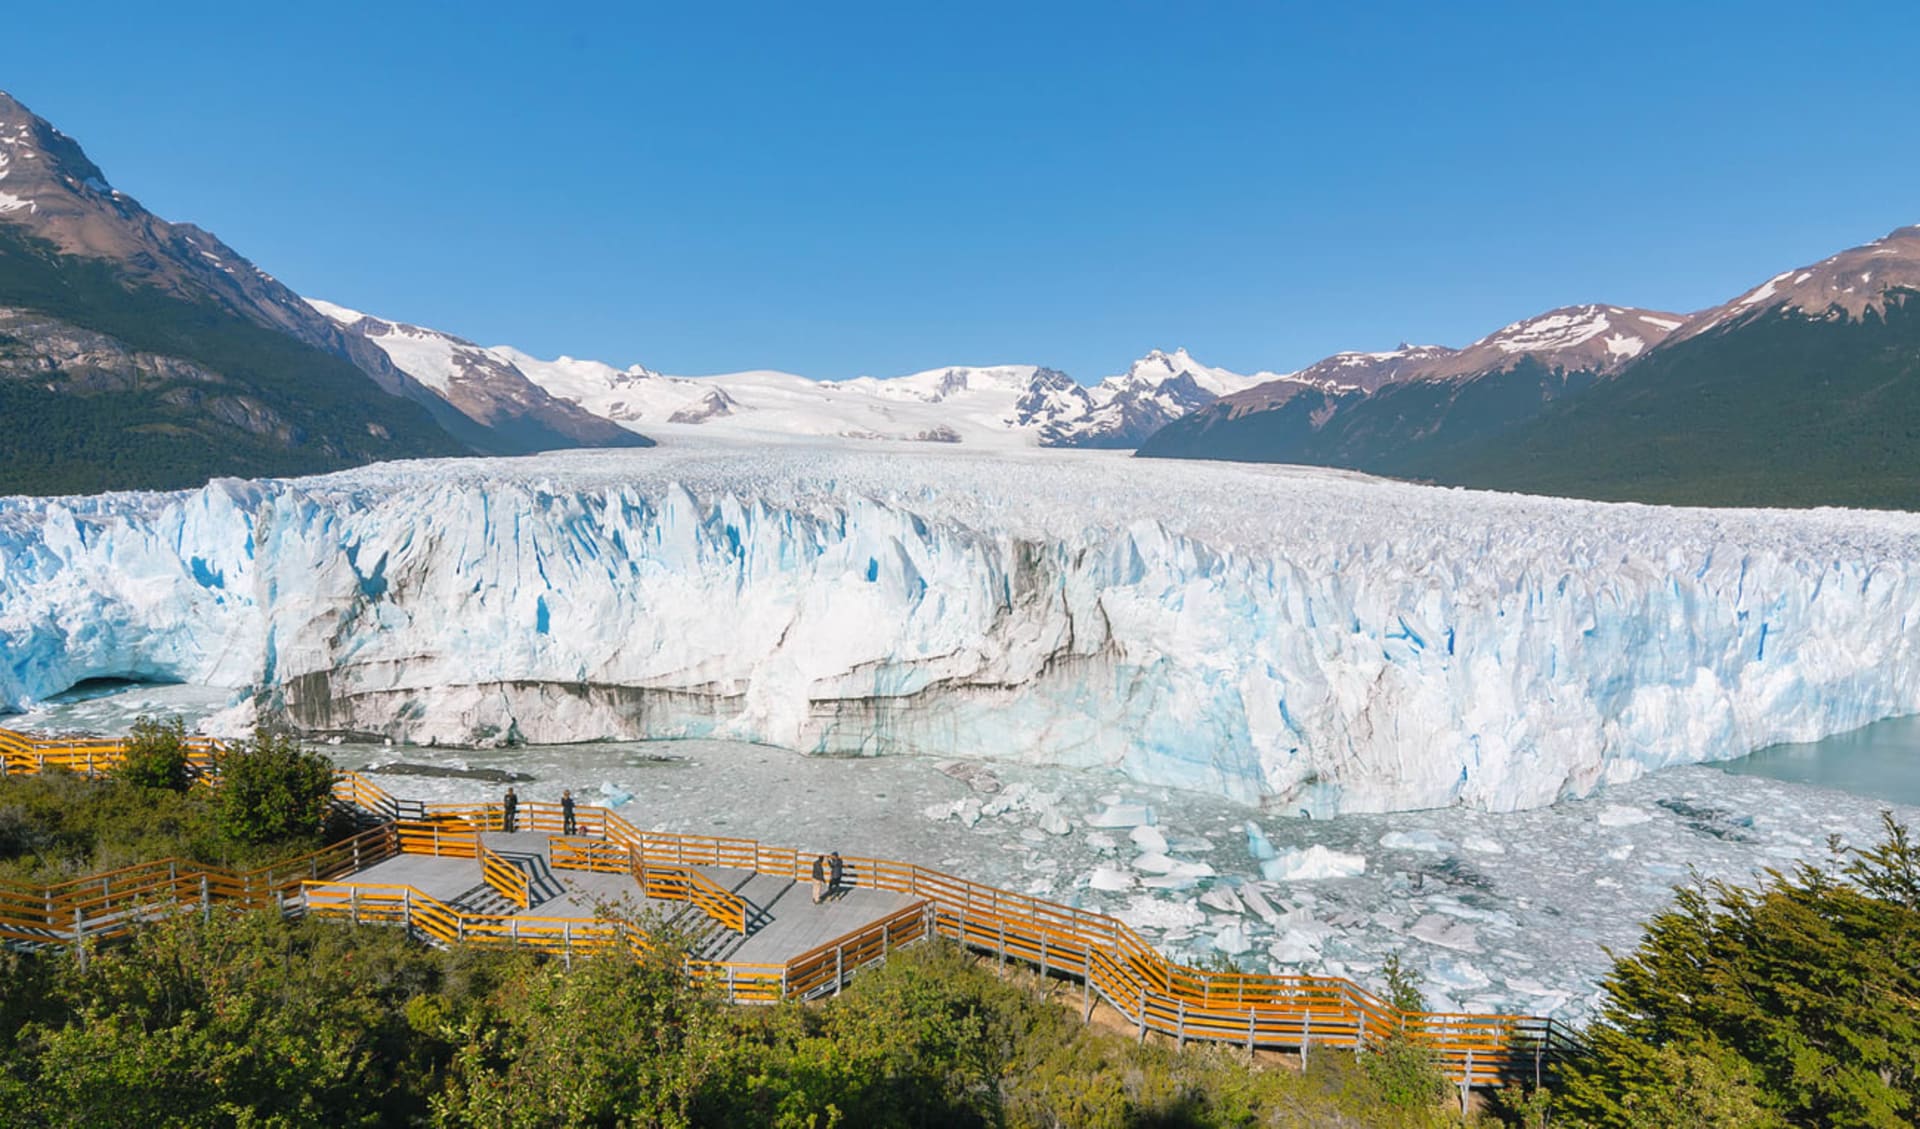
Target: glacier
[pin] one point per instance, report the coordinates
(1310, 641)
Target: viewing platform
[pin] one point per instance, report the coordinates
(778, 919)
(743, 911)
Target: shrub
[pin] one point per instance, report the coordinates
(272, 790)
(1405, 1073)
(1793, 1003)
(156, 754)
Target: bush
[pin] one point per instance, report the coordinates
(1405, 1073)
(271, 790)
(156, 754)
(1790, 1004)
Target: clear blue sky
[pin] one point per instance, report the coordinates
(838, 189)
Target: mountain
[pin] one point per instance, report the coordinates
(1804, 390)
(1394, 412)
(517, 415)
(990, 405)
(139, 353)
(142, 353)
(1156, 390)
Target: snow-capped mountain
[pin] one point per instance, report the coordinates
(482, 386)
(1156, 390)
(1843, 286)
(50, 191)
(1802, 390)
(990, 405)
(1384, 411)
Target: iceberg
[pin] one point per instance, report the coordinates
(1309, 641)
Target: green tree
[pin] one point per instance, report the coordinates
(156, 754)
(1406, 1072)
(271, 790)
(1799, 1000)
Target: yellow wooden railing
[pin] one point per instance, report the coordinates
(1103, 953)
(109, 904)
(504, 878)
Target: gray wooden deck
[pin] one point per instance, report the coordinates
(782, 921)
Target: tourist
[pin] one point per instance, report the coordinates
(819, 879)
(566, 812)
(509, 807)
(834, 869)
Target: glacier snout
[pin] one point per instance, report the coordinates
(1308, 641)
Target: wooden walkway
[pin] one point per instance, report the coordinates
(450, 873)
(782, 920)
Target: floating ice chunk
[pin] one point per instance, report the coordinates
(613, 794)
(1436, 929)
(1054, 823)
(1170, 881)
(1313, 863)
(1153, 862)
(1456, 975)
(1232, 940)
(1223, 899)
(1121, 815)
(1033, 835)
(1189, 845)
(1258, 903)
(1148, 912)
(1191, 870)
(1621, 852)
(1481, 845)
(1149, 840)
(1102, 842)
(1258, 845)
(1415, 841)
(1110, 878)
(1619, 815)
(1295, 947)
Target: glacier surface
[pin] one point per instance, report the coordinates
(1309, 640)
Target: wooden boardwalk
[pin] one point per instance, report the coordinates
(451, 874)
(782, 920)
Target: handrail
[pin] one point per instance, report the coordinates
(504, 878)
(1110, 958)
(109, 903)
(685, 884)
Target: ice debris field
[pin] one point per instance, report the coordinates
(1495, 911)
(1308, 641)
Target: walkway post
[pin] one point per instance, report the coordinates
(206, 903)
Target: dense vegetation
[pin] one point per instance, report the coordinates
(60, 825)
(64, 437)
(1402, 429)
(246, 1019)
(1786, 410)
(1793, 1004)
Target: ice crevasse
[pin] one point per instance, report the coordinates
(1308, 640)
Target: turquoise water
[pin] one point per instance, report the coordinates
(1880, 762)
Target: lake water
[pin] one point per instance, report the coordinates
(1879, 762)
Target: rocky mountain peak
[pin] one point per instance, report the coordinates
(1846, 285)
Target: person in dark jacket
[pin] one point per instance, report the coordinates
(819, 879)
(509, 809)
(834, 869)
(567, 826)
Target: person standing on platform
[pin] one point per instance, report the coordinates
(509, 809)
(834, 869)
(566, 812)
(819, 879)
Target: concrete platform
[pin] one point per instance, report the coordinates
(782, 921)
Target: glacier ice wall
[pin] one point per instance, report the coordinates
(1309, 640)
